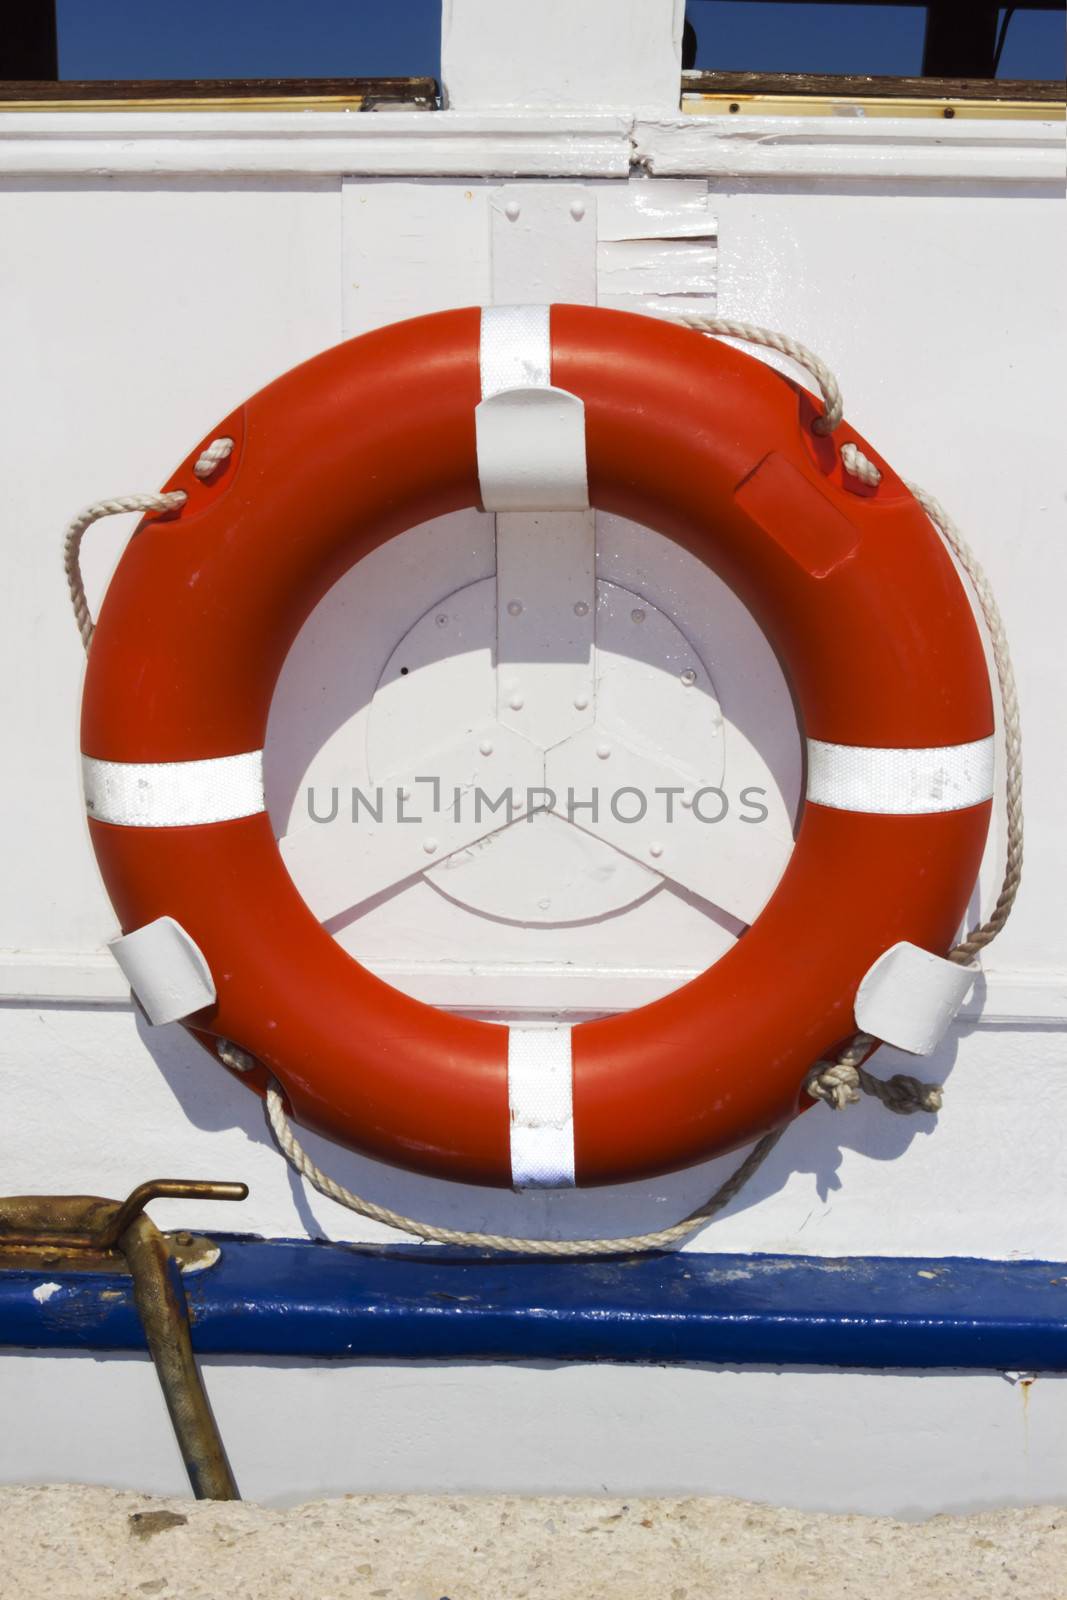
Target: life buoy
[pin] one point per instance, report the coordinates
(688, 436)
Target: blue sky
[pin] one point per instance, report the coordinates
(373, 38)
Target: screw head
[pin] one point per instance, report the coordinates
(689, 677)
(516, 702)
(577, 209)
(637, 615)
(581, 701)
(485, 747)
(514, 608)
(429, 845)
(603, 751)
(655, 849)
(441, 619)
(581, 609)
(511, 210)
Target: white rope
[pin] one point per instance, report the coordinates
(659, 1239)
(206, 463)
(838, 1083)
(76, 530)
(852, 458)
(725, 327)
(986, 932)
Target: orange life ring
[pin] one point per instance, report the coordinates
(686, 435)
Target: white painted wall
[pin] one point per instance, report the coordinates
(900, 1444)
(158, 268)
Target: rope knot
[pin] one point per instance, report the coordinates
(904, 1094)
(231, 1055)
(839, 1084)
(214, 455)
(835, 1083)
(857, 465)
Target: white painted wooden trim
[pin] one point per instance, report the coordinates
(97, 144)
(38, 977)
(75, 977)
(890, 148)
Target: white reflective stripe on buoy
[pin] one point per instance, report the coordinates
(516, 349)
(851, 777)
(166, 970)
(540, 1100)
(530, 436)
(173, 794)
(910, 998)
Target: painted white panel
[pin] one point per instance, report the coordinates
(322, 736)
(545, 685)
(546, 611)
(700, 837)
(666, 208)
(131, 319)
(542, 873)
(647, 266)
(364, 839)
(543, 243)
(905, 1444)
(411, 248)
(324, 732)
(657, 249)
(617, 53)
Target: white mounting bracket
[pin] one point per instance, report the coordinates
(166, 970)
(910, 998)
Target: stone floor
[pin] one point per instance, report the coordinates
(78, 1543)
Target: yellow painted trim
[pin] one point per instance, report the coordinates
(322, 102)
(764, 105)
(694, 105)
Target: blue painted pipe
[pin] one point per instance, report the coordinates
(411, 1303)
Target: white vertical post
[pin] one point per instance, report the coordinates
(612, 55)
